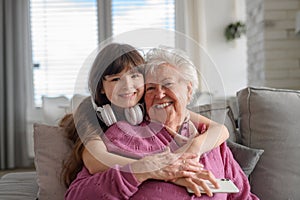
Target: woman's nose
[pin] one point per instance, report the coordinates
(159, 92)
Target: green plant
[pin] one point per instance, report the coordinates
(235, 30)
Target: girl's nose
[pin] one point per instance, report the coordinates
(126, 82)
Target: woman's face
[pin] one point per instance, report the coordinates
(124, 89)
(167, 95)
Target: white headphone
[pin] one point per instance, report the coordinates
(133, 115)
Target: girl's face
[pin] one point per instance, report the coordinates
(124, 89)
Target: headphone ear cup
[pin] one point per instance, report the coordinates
(134, 115)
(107, 115)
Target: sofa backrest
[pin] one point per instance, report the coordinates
(269, 120)
(221, 113)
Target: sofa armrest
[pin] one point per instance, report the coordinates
(18, 185)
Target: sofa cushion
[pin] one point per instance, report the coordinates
(269, 120)
(50, 148)
(246, 157)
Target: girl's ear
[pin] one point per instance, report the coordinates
(102, 91)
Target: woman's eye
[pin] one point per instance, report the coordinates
(149, 88)
(169, 84)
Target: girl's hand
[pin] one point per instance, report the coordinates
(166, 166)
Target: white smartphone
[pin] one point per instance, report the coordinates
(226, 186)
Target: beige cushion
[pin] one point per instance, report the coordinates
(50, 148)
(269, 120)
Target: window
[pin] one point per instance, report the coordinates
(65, 32)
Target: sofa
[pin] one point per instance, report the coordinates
(264, 138)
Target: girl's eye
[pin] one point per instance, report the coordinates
(114, 79)
(136, 75)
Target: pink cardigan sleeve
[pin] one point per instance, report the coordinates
(115, 183)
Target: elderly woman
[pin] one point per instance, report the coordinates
(168, 89)
(167, 94)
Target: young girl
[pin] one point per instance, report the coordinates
(117, 86)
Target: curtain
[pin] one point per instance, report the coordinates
(191, 23)
(190, 19)
(14, 62)
(104, 20)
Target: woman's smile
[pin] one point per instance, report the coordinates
(162, 105)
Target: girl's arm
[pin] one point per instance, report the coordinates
(214, 135)
(127, 178)
(217, 132)
(100, 159)
(96, 158)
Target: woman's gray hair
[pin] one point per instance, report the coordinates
(178, 59)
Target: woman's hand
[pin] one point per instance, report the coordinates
(166, 166)
(198, 179)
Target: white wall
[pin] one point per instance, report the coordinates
(229, 57)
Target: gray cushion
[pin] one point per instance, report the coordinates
(222, 114)
(246, 157)
(269, 120)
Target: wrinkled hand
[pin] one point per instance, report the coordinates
(166, 166)
(198, 179)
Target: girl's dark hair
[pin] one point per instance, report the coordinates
(83, 125)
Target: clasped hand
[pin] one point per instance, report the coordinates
(180, 168)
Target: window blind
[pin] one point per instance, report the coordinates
(63, 34)
(128, 15)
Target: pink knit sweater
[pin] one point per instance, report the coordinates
(118, 183)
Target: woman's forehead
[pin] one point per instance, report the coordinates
(161, 73)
